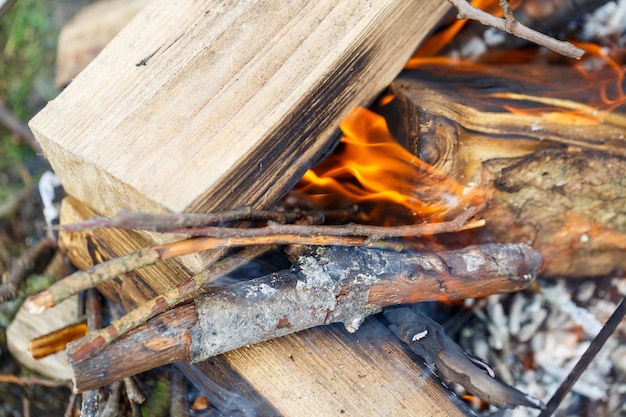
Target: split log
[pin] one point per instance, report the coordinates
(333, 372)
(328, 285)
(566, 199)
(207, 106)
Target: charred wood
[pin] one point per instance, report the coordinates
(427, 339)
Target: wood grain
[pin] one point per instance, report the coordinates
(203, 106)
(336, 373)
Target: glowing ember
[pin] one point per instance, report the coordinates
(369, 166)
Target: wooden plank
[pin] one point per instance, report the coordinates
(206, 105)
(333, 372)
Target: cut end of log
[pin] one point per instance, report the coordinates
(39, 303)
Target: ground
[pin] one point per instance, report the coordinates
(28, 36)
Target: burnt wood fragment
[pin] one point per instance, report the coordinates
(427, 339)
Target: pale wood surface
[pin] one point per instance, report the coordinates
(199, 106)
(26, 326)
(326, 371)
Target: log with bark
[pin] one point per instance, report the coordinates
(327, 285)
(553, 176)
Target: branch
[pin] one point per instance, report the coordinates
(427, 339)
(97, 340)
(8, 120)
(168, 222)
(273, 234)
(512, 26)
(328, 285)
(32, 380)
(22, 266)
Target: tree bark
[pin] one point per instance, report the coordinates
(566, 200)
(328, 285)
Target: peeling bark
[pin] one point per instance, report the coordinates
(327, 285)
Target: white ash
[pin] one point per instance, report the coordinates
(533, 340)
(608, 20)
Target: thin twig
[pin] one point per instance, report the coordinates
(33, 380)
(22, 266)
(165, 222)
(273, 234)
(71, 405)
(178, 392)
(8, 120)
(89, 404)
(25, 407)
(112, 405)
(584, 361)
(514, 27)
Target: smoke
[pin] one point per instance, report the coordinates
(227, 402)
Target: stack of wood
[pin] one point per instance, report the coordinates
(208, 107)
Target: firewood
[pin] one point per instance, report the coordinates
(198, 107)
(329, 284)
(301, 233)
(563, 199)
(272, 234)
(327, 369)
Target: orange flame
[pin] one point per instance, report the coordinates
(369, 166)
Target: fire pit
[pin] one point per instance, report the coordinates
(501, 167)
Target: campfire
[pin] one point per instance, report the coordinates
(474, 209)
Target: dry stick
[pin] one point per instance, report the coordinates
(178, 392)
(187, 289)
(71, 405)
(327, 285)
(165, 222)
(584, 361)
(428, 339)
(512, 26)
(32, 380)
(348, 235)
(183, 291)
(8, 120)
(90, 403)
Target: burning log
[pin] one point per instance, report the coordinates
(566, 198)
(328, 284)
